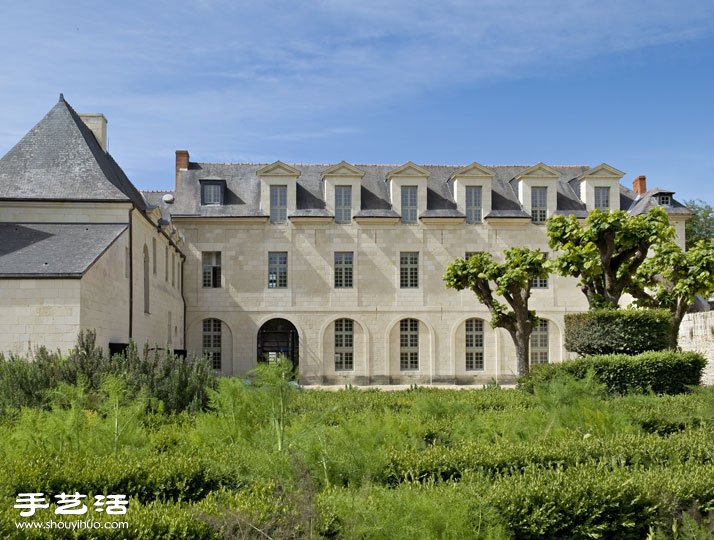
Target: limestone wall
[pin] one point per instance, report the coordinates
(36, 312)
(376, 302)
(697, 334)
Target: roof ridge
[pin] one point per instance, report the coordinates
(357, 164)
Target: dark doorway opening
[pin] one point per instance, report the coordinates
(275, 337)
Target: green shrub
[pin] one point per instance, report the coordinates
(664, 372)
(618, 331)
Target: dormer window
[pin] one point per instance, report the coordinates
(409, 204)
(212, 192)
(665, 200)
(602, 198)
(278, 204)
(473, 204)
(539, 204)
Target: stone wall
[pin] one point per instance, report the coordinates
(697, 334)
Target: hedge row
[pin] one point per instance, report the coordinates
(439, 463)
(618, 331)
(165, 477)
(665, 372)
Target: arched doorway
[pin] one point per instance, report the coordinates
(278, 336)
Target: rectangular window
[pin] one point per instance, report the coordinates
(409, 269)
(539, 343)
(665, 200)
(539, 283)
(409, 204)
(166, 264)
(539, 204)
(278, 204)
(408, 344)
(474, 345)
(211, 269)
(212, 341)
(343, 269)
(153, 254)
(473, 204)
(602, 198)
(277, 269)
(211, 194)
(173, 269)
(343, 204)
(344, 345)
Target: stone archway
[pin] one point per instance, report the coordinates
(278, 336)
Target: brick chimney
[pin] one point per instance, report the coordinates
(639, 184)
(181, 163)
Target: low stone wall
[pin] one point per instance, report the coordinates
(697, 334)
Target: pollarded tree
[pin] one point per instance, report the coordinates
(607, 252)
(673, 278)
(512, 281)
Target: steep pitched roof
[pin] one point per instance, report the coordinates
(61, 159)
(53, 249)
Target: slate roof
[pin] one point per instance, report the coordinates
(60, 159)
(242, 197)
(649, 200)
(53, 249)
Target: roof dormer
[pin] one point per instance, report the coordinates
(472, 191)
(278, 190)
(538, 191)
(600, 187)
(407, 191)
(342, 185)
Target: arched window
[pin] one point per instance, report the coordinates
(212, 341)
(474, 345)
(147, 284)
(344, 344)
(539, 343)
(408, 344)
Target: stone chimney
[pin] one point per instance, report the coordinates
(96, 122)
(639, 184)
(181, 163)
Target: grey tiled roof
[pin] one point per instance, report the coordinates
(61, 159)
(53, 249)
(649, 200)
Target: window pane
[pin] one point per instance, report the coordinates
(474, 345)
(343, 269)
(344, 352)
(539, 204)
(409, 204)
(408, 344)
(211, 193)
(409, 269)
(278, 204)
(602, 198)
(539, 343)
(211, 341)
(343, 204)
(211, 275)
(473, 204)
(277, 269)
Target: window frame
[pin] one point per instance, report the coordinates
(664, 200)
(344, 344)
(278, 203)
(208, 341)
(597, 200)
(539, 213)
(474, 344)
(409, 345)
(343, 270)
(540, 343)
(540, 283)
(408, 269)
(278, 266)
(220, 184)
(474, 212)
(409, 211)
(214, 269)
(343, 204)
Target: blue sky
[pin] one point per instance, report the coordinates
(629, 82)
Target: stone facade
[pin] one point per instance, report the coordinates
(696, 333)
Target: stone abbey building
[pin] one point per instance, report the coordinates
(338, 266)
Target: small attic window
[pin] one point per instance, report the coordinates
(212, 192)
(665, 200)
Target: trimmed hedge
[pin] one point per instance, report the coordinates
(618, 331)
(664, 372)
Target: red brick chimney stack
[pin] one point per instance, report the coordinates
(639, 184)
(181, 163)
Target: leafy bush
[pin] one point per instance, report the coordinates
(665, 372)
(618, 331)
(179, 383)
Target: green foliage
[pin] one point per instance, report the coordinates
(700, 226)
(606, 253)
(178, 383)
(512, 281)
(665, 372)
(618, 331)
(673, 278)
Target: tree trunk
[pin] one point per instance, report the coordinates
(522, 343)
(679, 312)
